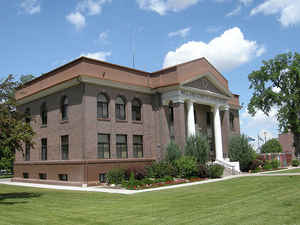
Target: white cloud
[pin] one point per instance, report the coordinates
(260, 119)
(30, 6)
(163, 6)
(97, 55)
(76, 19)
(91, 7)
(85, 7)
(226, 52)
(289, 10)
(234, 12)
(103, 37)
(181, 33)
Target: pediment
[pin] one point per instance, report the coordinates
(204, 84)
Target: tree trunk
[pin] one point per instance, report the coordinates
(297, 143)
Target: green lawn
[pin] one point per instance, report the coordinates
(248, 200)
(297, 170)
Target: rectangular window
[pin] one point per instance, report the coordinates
(102, 177)
(63, 177)
(103, 146)
(122, 146)
(44, 149)
(138, 146)
(27, 151)
(65, 147)
(102, 110)
(25, 175)
(231, 120)
(43, 176)
(208, 119)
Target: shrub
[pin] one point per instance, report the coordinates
(160, 170)
(215, 171)
(132, 182)
(268, 165)
(256, 163)
(203, 171)
(271, 146)
(197, 146)
(115, 176)
(295, 162)
(139, 173)
(186, 166)
(275, 163)
(240, 150)
(173, 152)
(147, 181)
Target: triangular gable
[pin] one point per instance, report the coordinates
(203, 84)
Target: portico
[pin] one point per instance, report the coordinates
(216, 102)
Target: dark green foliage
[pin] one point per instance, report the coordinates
(197, 146)
(115, 176)
(173, 152)
(160, 170)
(240, 150)
(186, 166)
(277, 85)
(271, 146)
(255, 164)
(147, 181)
(275, 163)
(203, 171)
(14, 132)
(215, 171)
(295, 162)
(139, 173)
(267, 165)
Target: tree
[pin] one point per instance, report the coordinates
(14, 131)
(197, 146)
(277, 85)
(271, 146)
(173, 152)
(240, 150)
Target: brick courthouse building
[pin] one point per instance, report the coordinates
(90, 116)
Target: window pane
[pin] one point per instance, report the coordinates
(65, 147)
(44, 149)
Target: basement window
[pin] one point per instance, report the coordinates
(43, 176)
(25, 175)
(102, 177)
(63, 177)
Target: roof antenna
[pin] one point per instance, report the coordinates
(133, 48)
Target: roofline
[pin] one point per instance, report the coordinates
(81, 58)
(75, 61)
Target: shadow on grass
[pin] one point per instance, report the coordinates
(17, 195)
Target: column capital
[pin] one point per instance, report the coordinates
(225, 107)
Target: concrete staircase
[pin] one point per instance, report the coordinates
(231, 168)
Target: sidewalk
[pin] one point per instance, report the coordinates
(130, 192)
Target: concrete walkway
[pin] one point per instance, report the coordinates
(130, 192)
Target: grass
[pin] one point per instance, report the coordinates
(246, 200)
(296, 170)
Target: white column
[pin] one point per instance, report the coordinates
(191, 128)
(218, 134)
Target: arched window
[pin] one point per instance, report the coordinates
(64, 108)
(136, 110)
(102, 106)
(44, 113)
(171, 112)
(27, 115)
(120, 108)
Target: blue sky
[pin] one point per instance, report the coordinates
(235, 35)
